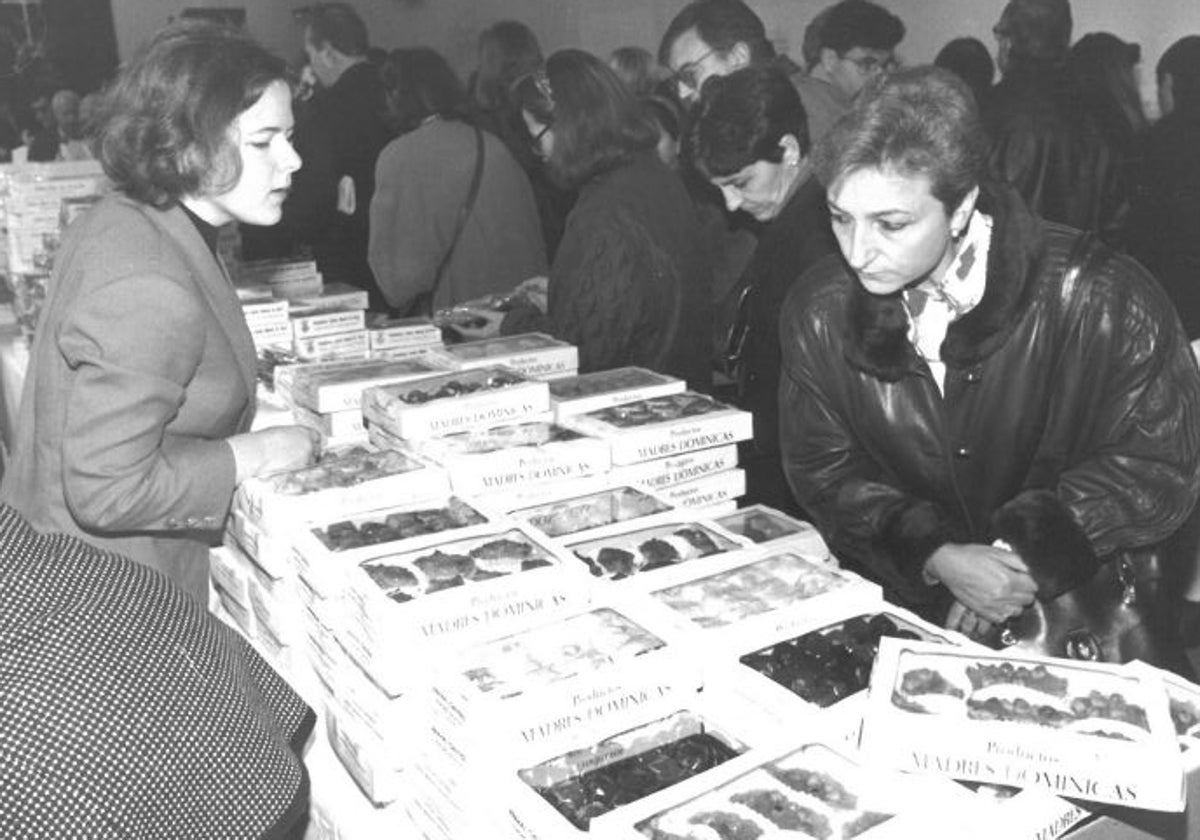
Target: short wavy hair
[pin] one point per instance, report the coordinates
(919, 121)
(164, 124)
(741, 118)
(598, 122)
(721, 24)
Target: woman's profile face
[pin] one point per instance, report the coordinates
(890, 227)
(541, 134)
(262, 136)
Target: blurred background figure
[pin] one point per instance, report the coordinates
(630, 284)
(637, 68)
(970, 60)
(509, 51)
(72, 144)
(1046, 141)
(1106, 69)
(1164, 225)
(423, 233)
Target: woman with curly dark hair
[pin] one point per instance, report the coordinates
(630, 284)
(132, 432)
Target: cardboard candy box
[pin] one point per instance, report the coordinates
(1081, 730)
(496, 459)
(535, 355)
(605, 388)
(660, 427)
(455, 402)
(404, 606)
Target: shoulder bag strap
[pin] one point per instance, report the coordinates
(463, 214)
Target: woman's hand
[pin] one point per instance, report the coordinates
(970, 624)
(274, 450)
(474, 324)
(535, 291)
(990, 581)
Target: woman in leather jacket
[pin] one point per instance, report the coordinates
(978, 408)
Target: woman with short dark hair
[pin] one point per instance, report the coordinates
(630, 284)
(976, 405)
(749, 138)
(440, 237)
(132, 432)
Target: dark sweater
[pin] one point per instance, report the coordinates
(630, 284)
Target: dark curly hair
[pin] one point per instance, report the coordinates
(164, 125)
(598, 123)
(859, 23)
(741, 118)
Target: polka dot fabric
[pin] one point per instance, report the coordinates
(127, 711)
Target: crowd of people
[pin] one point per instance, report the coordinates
(958, 308)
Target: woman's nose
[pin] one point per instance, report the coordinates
(733, 198)
(858, 247)
(289, 159)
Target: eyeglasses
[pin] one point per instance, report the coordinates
(869, 65)
(685, 76)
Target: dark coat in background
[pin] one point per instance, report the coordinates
(1164, 225)
(1053, 150)
(791, 244)
(1069, 425)
(129, 711)
(338, 135)
(630, 284)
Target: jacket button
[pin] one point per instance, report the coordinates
(962, 453)
(973, 376)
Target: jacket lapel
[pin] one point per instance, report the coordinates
(213, 281)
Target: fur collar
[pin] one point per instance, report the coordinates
(877, 325)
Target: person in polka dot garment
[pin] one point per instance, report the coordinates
(127, 710)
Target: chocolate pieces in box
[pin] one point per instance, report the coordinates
(604, 388)
(514, 456)
(595, 510)
(586, 783)
(748, 599)
(826, 665)
(455, 402)
(665, 426)
(1076, 729)
(814, 791)
(535, 355)
(340, 483)
(622, 555)
(765, 525)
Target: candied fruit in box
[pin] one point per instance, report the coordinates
(344, 535)
(828, 665)
(581, 798)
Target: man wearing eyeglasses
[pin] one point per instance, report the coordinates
(716, 37)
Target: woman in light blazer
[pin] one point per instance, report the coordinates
(132, 431)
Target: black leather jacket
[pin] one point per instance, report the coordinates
(1070, 425)
(1047, 145)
